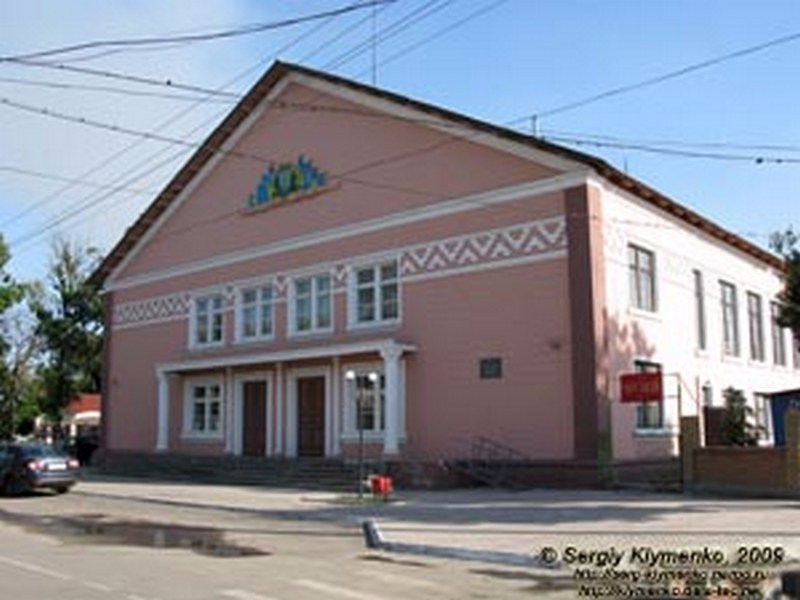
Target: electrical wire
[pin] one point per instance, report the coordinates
(650, 81)
(193, 38)
(673, 142)
(84, 207)
(212, 91)
(757, 159)
(166, 123)
(74, 180)
(108, 89)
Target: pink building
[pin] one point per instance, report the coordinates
(335, 248)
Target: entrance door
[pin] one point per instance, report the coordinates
(311, 416)
(254, 417)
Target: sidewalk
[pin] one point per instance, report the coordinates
(498, 520)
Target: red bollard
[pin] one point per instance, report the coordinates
(381, 485)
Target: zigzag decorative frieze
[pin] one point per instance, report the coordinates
(525, 239)
(152, 309)
(495, 246)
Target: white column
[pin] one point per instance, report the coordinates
(162, 431)
(230, 422)
(391, 370)
(279, 402)
(336, 386)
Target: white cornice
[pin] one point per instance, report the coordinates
(284, 356)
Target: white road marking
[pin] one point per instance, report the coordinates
(327, 588)
(27, 566)
(100, 587)
(399, 579)
(244, 595)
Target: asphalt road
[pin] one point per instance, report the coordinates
(87, 547)
(150, 540)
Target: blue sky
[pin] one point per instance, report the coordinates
(519, 58)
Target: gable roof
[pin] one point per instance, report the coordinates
(215, 141)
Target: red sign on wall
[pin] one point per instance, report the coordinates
(641, 387)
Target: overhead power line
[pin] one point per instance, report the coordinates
(650, 81)
(673, 142)
(73, 180)
(192, 38)
(346, 175)
(753, 158)
(441, 32)
(110, 90)
(88, 200)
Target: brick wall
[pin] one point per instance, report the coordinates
(733, 467)
(741, 470)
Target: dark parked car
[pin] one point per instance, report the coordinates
(28, 467)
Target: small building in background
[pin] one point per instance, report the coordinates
(82, 417)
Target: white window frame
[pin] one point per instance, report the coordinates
(188, 431)
(241, 338)
(647, 365)
(732, 347)
(377, 287)
(779, 355)
(701, 329)
(755, 327)
(194, 343)
(350, 416)
(292, 305)
(634, 283)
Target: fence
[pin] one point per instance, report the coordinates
(757, 471)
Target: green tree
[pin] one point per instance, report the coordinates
(737, 425)
(11, 293)
(20, 383)
(69, 313)
(787, 244)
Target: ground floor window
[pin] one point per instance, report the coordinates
(203, 409)
(649, 415)
(763, 420)
(366, 400)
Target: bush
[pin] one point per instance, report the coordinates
(737, 425)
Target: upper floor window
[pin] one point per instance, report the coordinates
(256, 313)
(730, 321)
(203, 403)
(374, 294)
(700, 309)
(208, 320)
(642, 270)
(649, 415)
(778, 339)
(311, 305)
(755, 318)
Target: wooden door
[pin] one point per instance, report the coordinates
(311, 416)
(254, 417)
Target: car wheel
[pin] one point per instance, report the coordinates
(5, 486)
(62, 489)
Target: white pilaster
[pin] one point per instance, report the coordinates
(230, 421)
(280, 400)
(162, 431)
(391, 369)
(335, 427)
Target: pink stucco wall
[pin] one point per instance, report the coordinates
(519, 313)
(412, 166)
